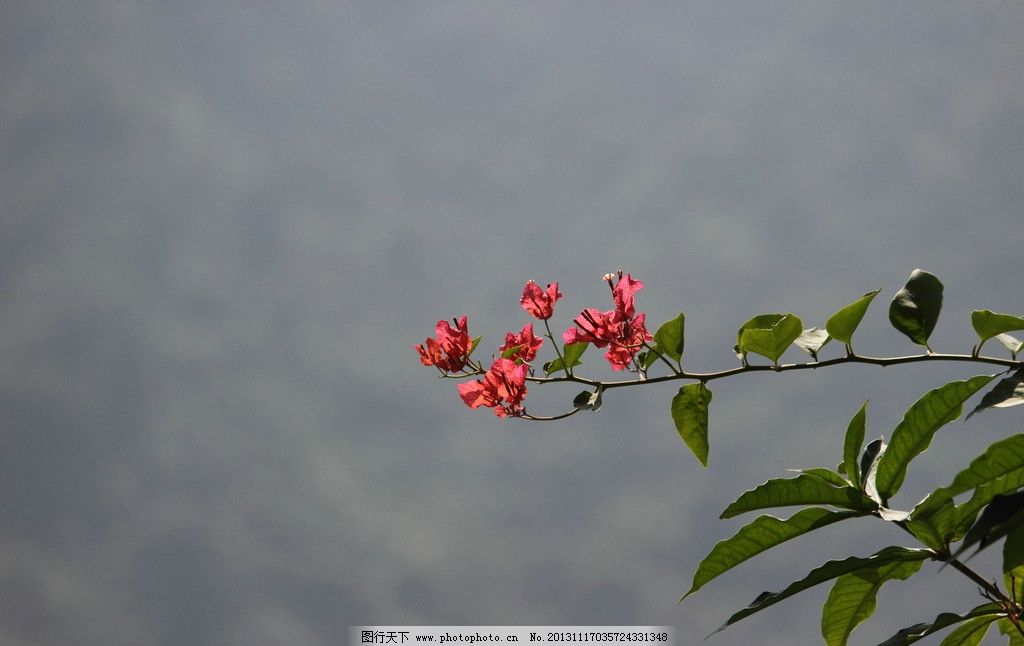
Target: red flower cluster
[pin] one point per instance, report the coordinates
(525, 342)
(621, 328)
(502, 388)
(540, 303)
(450, 351)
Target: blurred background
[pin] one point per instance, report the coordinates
(226, 224)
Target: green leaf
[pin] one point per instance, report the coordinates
(762, 534)
(669, 337)
(571, 354)
(511, 352)
(587, 400)
(1011, 343)
(1013, 563)
(855, 432)
(915, 308)
(989, 324)
(1007, 628)
(1004, 514)
(801, 490)
(827, 475)
(969, 633)
(811, 341)
(827, 572)
(914, 433)
(873, 452)
(1008, 392)
(1001, 465)
(769, 335)
(472, 346)
(852, 598)
(934, 528)
(690, 414)
(843, 323)
(914, 633)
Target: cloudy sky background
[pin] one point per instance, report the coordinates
(225, 224)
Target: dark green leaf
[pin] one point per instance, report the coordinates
(690, 414)
(1002, 463)
(873, 452)
(669, 337)
(763, 533)
(1013, 563)
(967, 512)
(934, 528)
(1008, 392)
(1004, 514)
(1011, 343)
(989, 324)
(914, 433)
(827, 572)
(811, 341)
(571, 354)
(855, 432)
(587, 400)
(769, 335)
(852, 598)
(917, 632)
(843, 323)
(801, 490)
(915, 308)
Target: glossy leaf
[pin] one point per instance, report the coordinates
(988, 324)
(1008, 392)
(854, 439)
(801, 490)
(873, 452)
(1007, 628)
(769, 335)
(844, 322)
(669, 338)
(812, 340)
(967, 512)
(827, 572)
(762, 534)
(915, 308)
(914, 633)
(571, 354)
(852, 598)
(914, 433)
(690, 414)
(1011, 343)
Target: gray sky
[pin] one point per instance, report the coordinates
(226, 224)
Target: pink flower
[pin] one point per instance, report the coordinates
(525, 341)
(450, 350)
(540, 303)
(502, 388)
(621, 328)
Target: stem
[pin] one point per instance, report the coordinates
(662, 357)
(568, 370)
(710, 376)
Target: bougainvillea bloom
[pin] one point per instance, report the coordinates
(450, 350)
(526, 343)
(621, 328)
(502, 388)
(540, 303)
